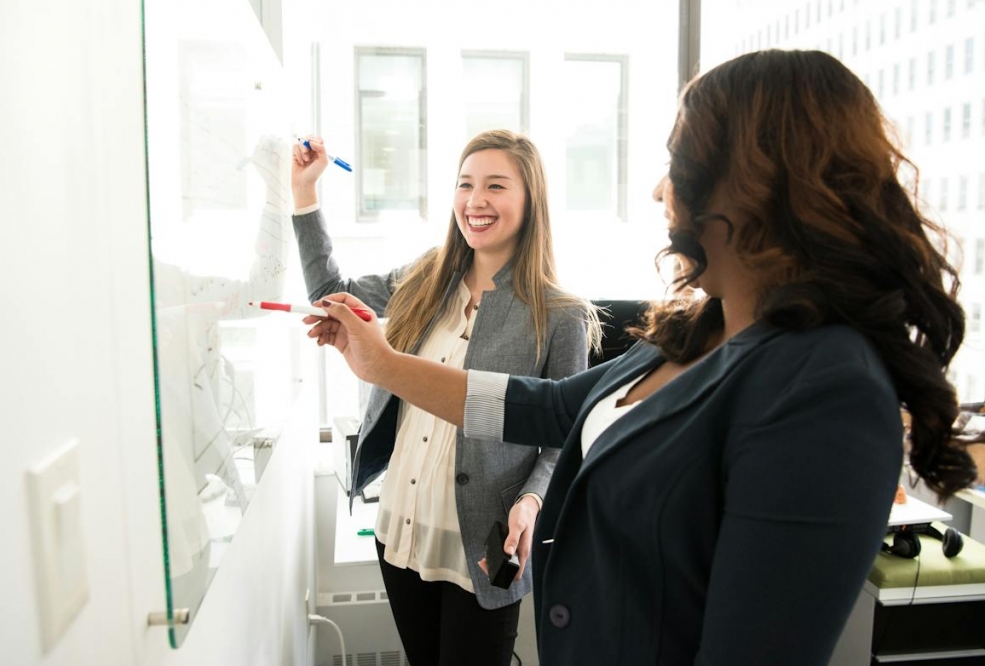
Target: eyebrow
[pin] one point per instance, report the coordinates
(464, 176)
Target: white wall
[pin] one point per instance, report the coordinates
(75, 362)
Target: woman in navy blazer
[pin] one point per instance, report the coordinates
(724, 486)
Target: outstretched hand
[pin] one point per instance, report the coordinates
(361, 343)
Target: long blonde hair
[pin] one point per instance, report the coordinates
(418, 297)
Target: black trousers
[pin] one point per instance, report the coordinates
(440, 624)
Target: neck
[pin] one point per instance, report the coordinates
(739, 313)
(483, 268)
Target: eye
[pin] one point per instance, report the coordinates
(496, 186)
(465, 186)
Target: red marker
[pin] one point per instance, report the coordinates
(363, 314)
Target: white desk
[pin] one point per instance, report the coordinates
(915, 512)
(350, 548)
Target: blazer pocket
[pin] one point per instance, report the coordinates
(509, 496)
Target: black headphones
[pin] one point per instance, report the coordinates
(906, 543)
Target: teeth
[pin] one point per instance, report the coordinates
(481, 221)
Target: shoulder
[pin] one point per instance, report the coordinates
(827, 346)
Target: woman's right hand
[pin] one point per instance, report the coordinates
(361, 343)
(307, 166)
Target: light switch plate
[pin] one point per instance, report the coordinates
(54, 495)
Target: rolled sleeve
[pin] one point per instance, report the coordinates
(485, 404)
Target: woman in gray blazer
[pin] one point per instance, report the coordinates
(488, 299)
(724, 486)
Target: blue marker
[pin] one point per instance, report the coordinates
(342, 163)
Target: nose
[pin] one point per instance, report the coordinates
(476, 199)
(658, 191)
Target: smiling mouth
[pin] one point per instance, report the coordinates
(480, 222)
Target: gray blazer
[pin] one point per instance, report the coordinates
(489, 476)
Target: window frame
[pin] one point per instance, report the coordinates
(362, 215)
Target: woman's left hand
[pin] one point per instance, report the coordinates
(523, 515)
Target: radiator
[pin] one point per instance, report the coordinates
(371, 637)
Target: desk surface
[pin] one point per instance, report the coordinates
(916, 512)
(350, 548)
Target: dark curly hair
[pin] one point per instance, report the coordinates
(801, 149)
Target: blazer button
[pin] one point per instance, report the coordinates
(462, 479)
(560, 617)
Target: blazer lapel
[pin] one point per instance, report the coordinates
(677, 396)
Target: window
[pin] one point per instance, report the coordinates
(912, 73)
(391, 154)
(981, 191)
(879, 85)
(928, 127)
(855, 40)
(896, 79)
(595, 132)
(947, 124)
(933, 12)
(882, 29)
(898, 23)
(944, 188)
(969, 55)
(976, 318)
(930, 68)
(962, 192)
(980, 256)
(948, 62)
(495, 89)
(966, 120)
(951, 6)
(868, 35)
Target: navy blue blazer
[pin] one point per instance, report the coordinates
(729, 518)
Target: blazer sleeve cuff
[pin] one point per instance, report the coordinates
(485, 404)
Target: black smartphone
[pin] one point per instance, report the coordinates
(502, 567)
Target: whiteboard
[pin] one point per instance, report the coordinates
(218, 141)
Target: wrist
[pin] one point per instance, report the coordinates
(305, 196)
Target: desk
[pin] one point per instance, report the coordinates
(350, 548)
(915, 512)
(976, 498)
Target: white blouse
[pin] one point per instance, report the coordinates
(605, 413)
(418, 519)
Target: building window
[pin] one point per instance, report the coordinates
(496, 90)
(951, 6)
(928, 127)
(855, 40)
(391, 103)
(947, 125)
(944, 188)
(898, 23)
(976, 318)
(927, 190)
(913, 15)
(969, 55)
(966, 120)
(913, 73)
(879, 79)
(948, 62)
(807, 16)
(933, 12)
(930, 68)
(896, 79)
(981, 191)
(980, 256)
(596, 133)
(868, 35)
(962, 192)
(882, 29)
(909, 131)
